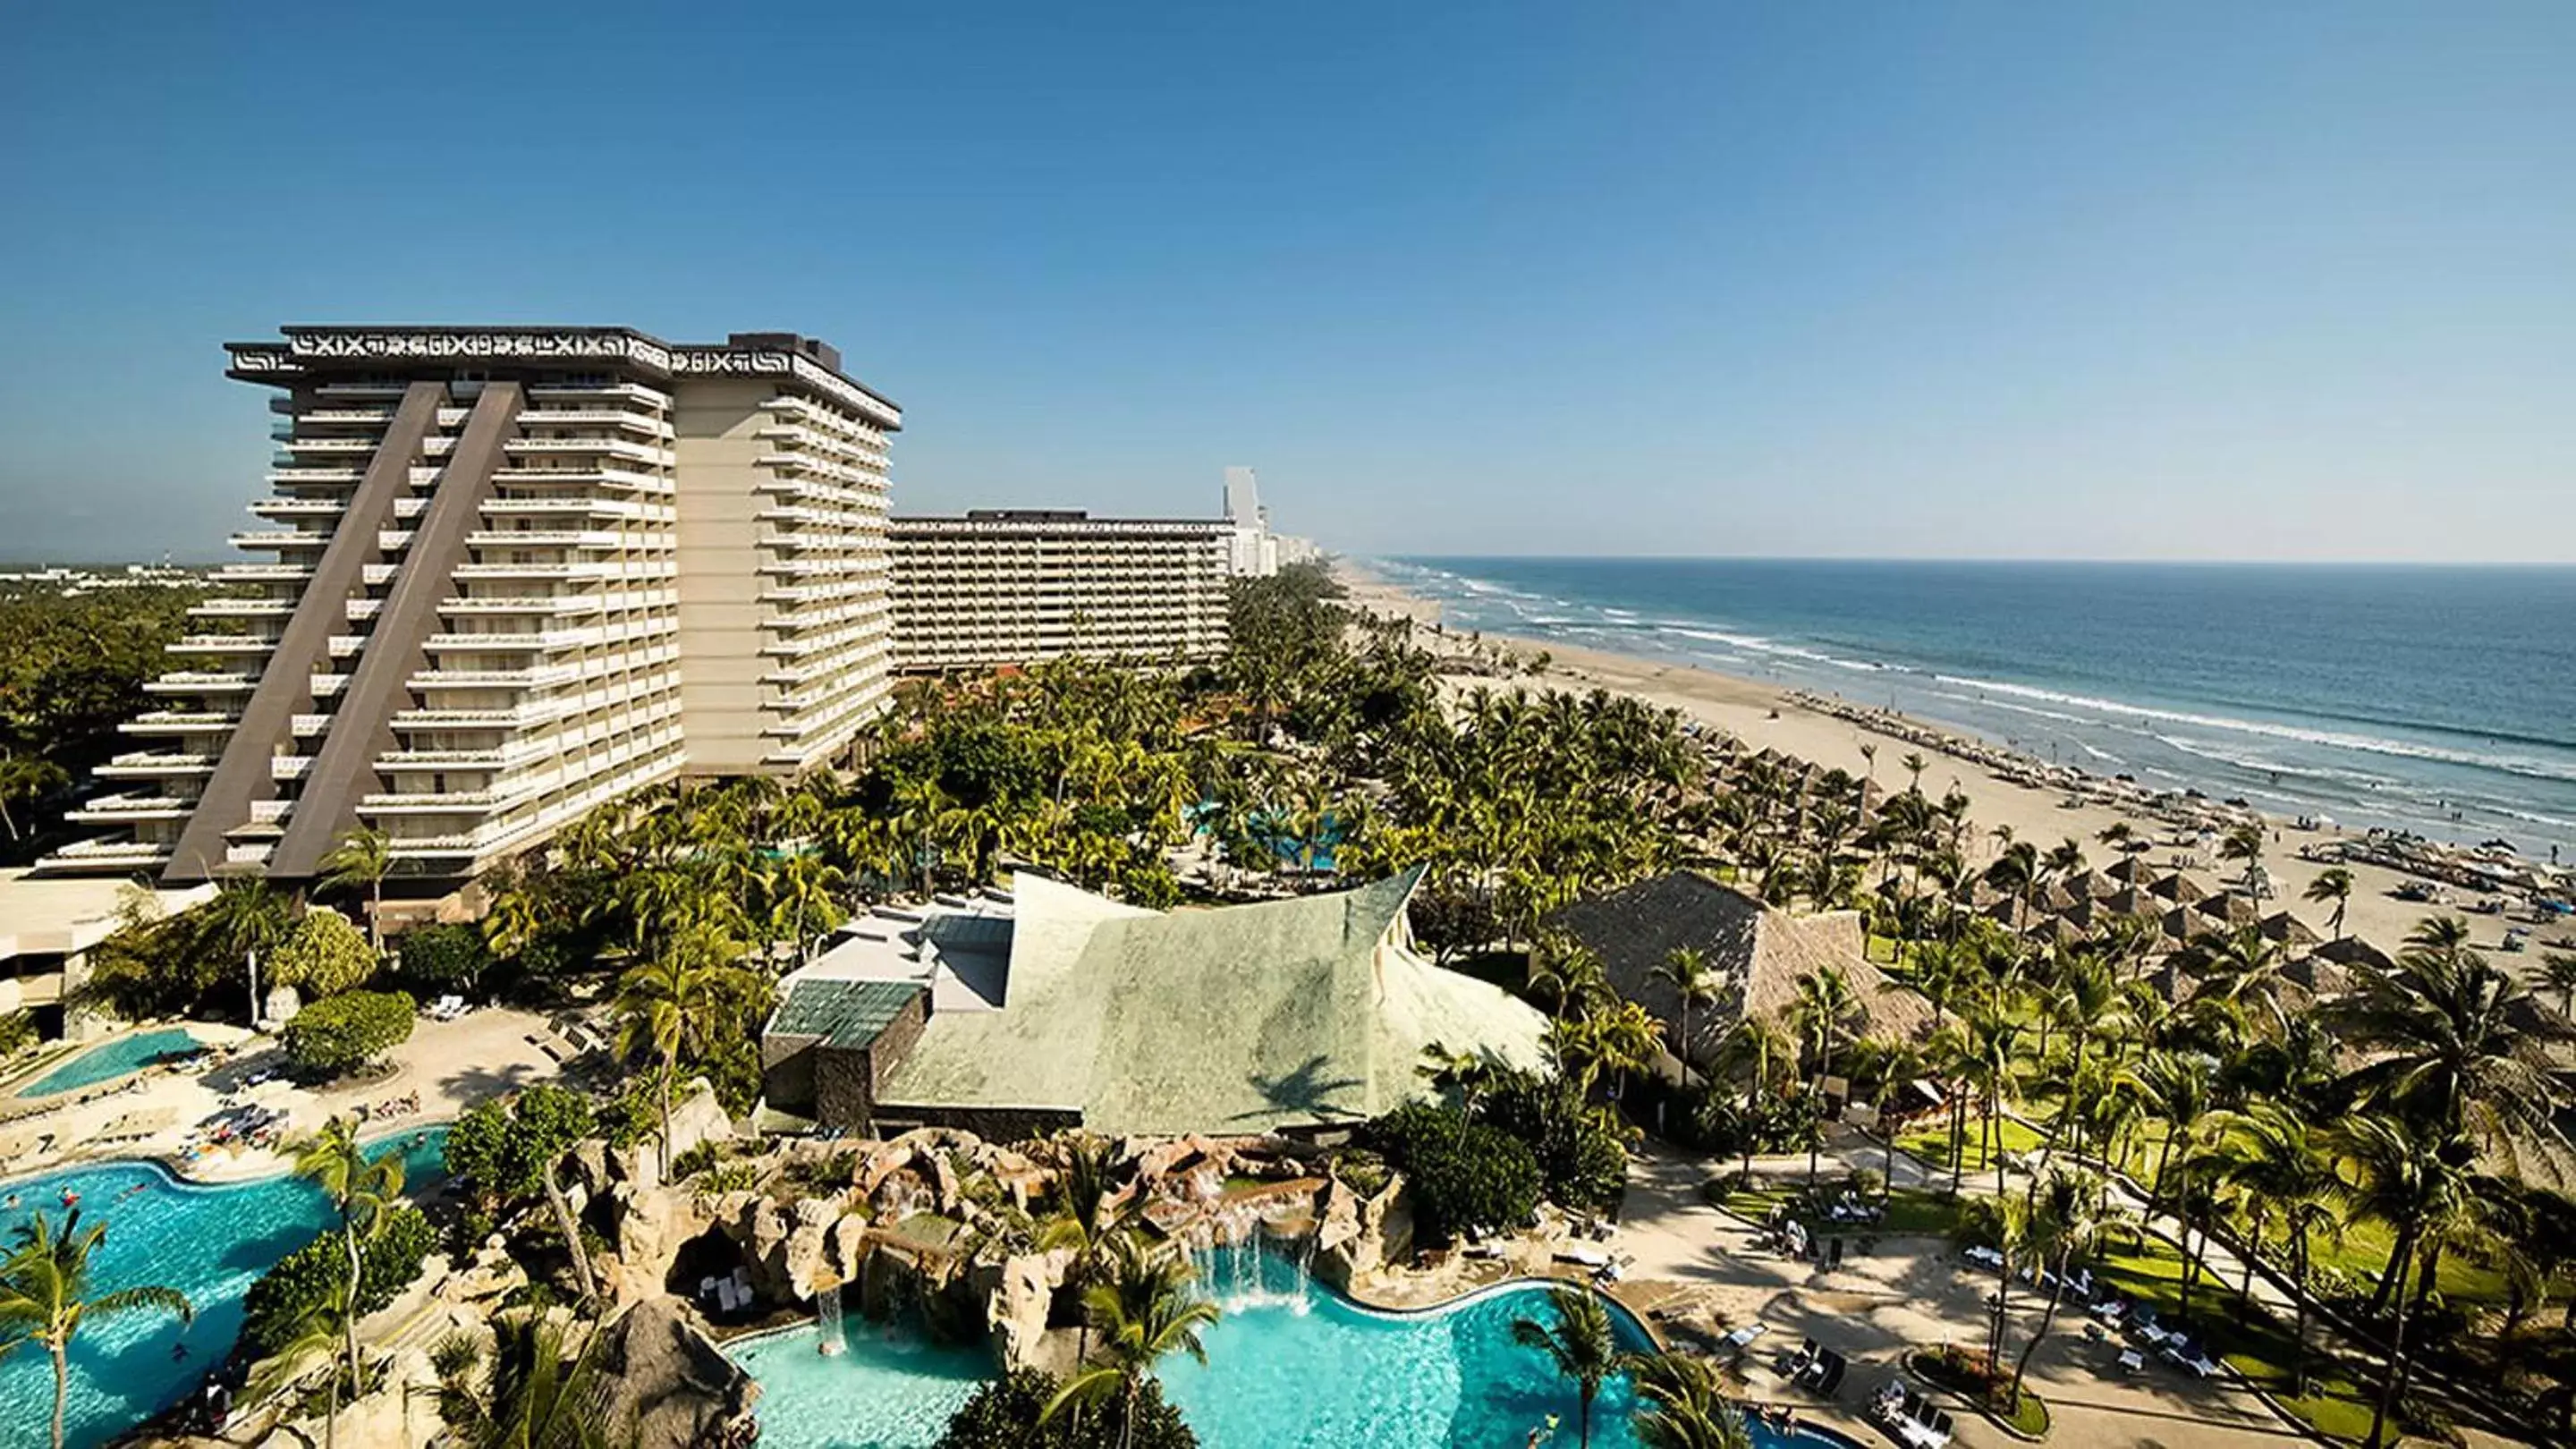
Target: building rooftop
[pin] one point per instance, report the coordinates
(843, 1013)
(1234, 1019)
(959, 947)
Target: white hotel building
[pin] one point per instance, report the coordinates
(1015, 586)
(512, 573)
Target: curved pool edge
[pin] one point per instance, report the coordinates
(176, 1170)
(45, 1067)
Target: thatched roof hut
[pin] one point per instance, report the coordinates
(1759, 953)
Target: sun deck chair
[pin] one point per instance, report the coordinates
(2189, 1356)
(1742, 1338)
(2131, 1361)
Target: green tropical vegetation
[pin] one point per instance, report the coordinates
(46, 1296)
(74, 670)
(342, 1033)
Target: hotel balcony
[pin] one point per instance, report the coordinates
(193, 682)
(360, 389)
(344, 447)
(621, 391)
(536, 642)
(449, 803)
(495, 758)
(429, 679)
(299, 507)
(614, 447)
(282, 538)
(537, 605)
(222, 644)
(633, 422)
(346, 415)
(112, 854)
(574, 507)
(180, 722)
(288, 767)
(146, 765)
(268, 573)
(551, 538)
(243, 609)
(129, 809)
(289, 477)
(619, 478)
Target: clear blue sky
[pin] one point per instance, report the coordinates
(1915, 279)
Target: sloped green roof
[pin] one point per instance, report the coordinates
(846, 1013)
(1238, 1019)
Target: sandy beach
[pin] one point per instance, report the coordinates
(1766, 715)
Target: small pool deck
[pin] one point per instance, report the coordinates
(450, 1064)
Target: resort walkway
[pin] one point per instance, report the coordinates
(1908, 1293)
(450, 1065)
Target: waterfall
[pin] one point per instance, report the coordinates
(1305, 1270)
(827, 1315)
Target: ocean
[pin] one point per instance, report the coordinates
(2438, 700)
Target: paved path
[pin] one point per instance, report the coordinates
(1910, 1293)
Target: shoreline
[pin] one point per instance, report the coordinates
(2037, 801)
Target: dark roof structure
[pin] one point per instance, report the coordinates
(1759, 954)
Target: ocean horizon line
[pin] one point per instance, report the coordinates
(2411, 565)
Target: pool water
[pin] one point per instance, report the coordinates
(210, 1243)
(122, 1057)
(1290, 1366)
(882, 1392)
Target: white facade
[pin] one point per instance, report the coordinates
(1015, 587)
(512, 573)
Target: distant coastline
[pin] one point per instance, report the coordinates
(2014, 791)
(2417, 699)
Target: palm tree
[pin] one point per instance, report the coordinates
(317, 1335)
(2390, 1176)
(2245, 842)
(1581, 1345)
(2558, 968)
(524, 1392)
(1754, 1052)
(2066, 1221)
(1821, 1016)
(359, 1189)
(1569, 975)
(246, 917)
(45, 1296)
(1913, 763)
(662, 1002)
(360, 860)
(25, 777)
(1688, 1404)
(1086, 1221)
(2455, 1046)
(1145, 1312)
(1687, 969)
(2334, 883)
(2273, 1159)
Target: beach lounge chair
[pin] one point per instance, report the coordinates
(2188, 1355)
(2131, 1361)
(1742, 1338)
(1984, 1257)
(2111, 1310)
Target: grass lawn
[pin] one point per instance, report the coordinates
(1911, 1212)
(2260, 1348)
(1931, 1142)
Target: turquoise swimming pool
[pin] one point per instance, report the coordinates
(105, 1063)
(210, 1243)
(1290, 1366)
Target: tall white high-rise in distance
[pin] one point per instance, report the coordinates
(516, 572)
(1251, 553)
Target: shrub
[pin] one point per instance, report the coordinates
(17, 1030)
(1466, 1176)
(1580, 1151)
(693, 1161)
(450, 956)
(348, 1031)
(500, 1150)
(274, 1310)
(1009, 1413)
(323, 956)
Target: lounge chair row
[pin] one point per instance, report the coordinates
(1911, 1417)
